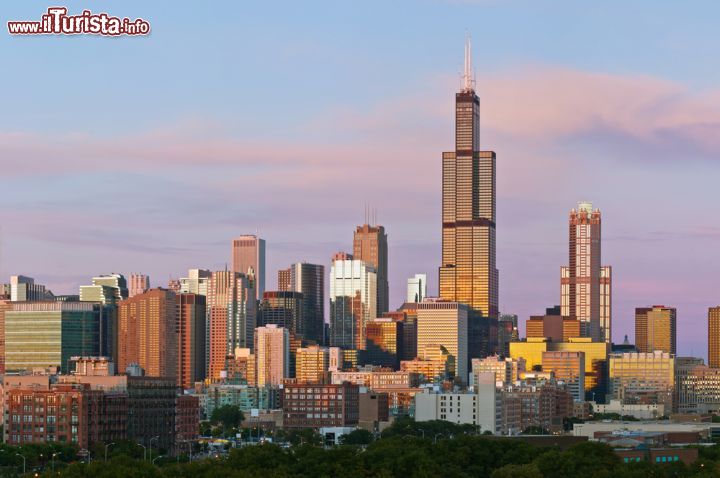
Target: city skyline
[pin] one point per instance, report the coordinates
(52, 239)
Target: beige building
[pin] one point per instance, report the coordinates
(272, 354)
(311, 364)
(248, 254)
(714, 337)
(445, 323)
(643, 378)
(655, 329)
(370, 246)
(568, 367)
(506, 370)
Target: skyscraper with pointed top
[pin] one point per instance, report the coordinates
(468, 273)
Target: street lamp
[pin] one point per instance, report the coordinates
(153, 438)
(106, 449)
(144, 451)
(423, 432)
(52, 460)
(435, 439)
(156, 458)
(24, 461)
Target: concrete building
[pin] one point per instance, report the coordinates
(139, 283)
(197, 282)
(507, 332)
(248, 258)
(376, 378)
(191, 329)
(353, 301)
(699, 390)
(272, 355)
(446, 324)
(506, 370)
(714, 337)
(282, 308)
(417, 288)
(554, 327)
(24, 289)
(656, 329)
(147, 333)
(370, 246)
(242, 367)
(586, 285)
(569, 368)
(641, 411)
(311, 364)
(384, 342)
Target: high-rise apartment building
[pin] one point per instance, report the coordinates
(353, 300)
(714, 337)
(417, 288)
(311, 364)
(114, 280)
(139, 283)
(309, 280)
(506, 370)
(230, 319)
(586, 285)
(656, 329)
(49, 334)
(468, 273)
(446, 324)
(248, 252)
(568, 367)
(147, 333)
(272, 354)
(191, 328)
(370, 246)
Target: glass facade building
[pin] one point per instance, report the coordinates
(353, 301)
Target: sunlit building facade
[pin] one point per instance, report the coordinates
(446, 324)
(643, 378)
(714, 337)
(370, 246)
(353, 301)
(272, 355)
(248, 257)
(656, 329)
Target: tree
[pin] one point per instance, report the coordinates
(517, 471)
(229, 416)
(357, 437)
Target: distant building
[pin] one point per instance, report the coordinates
(643, 378)
(311, 364)
(248, 254)
(714, 337)
(376, 378)
(147, 333)
(353, 300)
(315, 406)
(506, 370)
(24, 289)
(191, 330)
(507, 332)
(139, 283)
(417, 288)
(281, 308)
(197, 282)
(656, 329)
(370, 246)
(445, 323)
(272, 355)
(309, 280)
(567, 367)
(384, 342)
(554, 327)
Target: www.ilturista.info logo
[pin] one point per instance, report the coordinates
(58, 22)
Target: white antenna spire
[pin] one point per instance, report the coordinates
(468, 74)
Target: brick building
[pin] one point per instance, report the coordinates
(315, 406)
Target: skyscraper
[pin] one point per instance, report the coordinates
(114, 280)
(585, 285)
(231, 318)
(445, 324)
(196, 282)
(308, 279)
(248, 251)
(147, 333)
(191, 329)
(353, 300)
(139, 283)
(282, 308)
(655, 329)
(468, 272)
(370, 246)
(417, 288)
(714, 337)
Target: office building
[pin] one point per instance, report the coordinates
(309, 280)
(147, 333)
(197, 282)
(643, 378)
(507, 332)
(446, 324)
(5, 305)
(468, 272)
(506, 370)
(242, 367)
(114, 280)
(714, 337)
(24, 289)
(554, 327)
(655, 329)
(49, 334)
(685, 377)
(272, 355)
(384, 342)
(282, 308)
(569, 368)
(586, 285)
(353, 300)
(248, 257)
(370, 246)
(230, 319)
(311, 364)
(139, 283)
(417, 288)
(191, 328)
(699, 390)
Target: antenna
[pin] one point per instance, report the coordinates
(468, 74)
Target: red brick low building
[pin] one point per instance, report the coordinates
(187, 419)
(71, 413)
(315, 406)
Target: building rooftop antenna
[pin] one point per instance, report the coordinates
(468, 74)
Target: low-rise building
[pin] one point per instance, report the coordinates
(648, 411)
(316, 406)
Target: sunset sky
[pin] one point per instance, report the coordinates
(149, 154)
